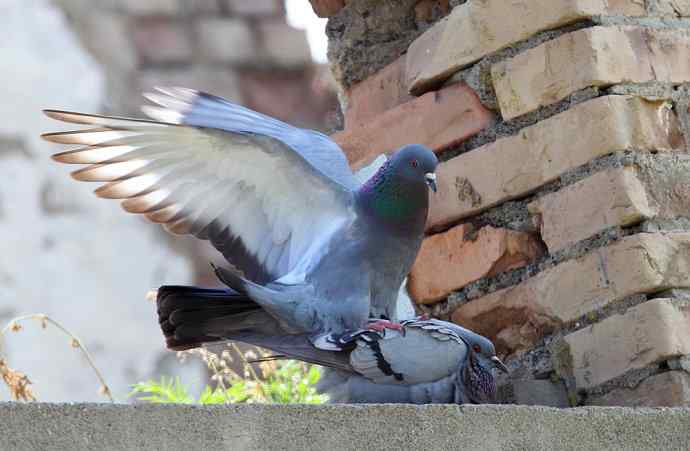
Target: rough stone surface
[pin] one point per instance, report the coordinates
(603, 55)
(437, 119)
(646, 334)
(518, 316)
(380, 92)
(614, 197)
(226, 41)
(303, 427)
(450, 260)
(669, 389)
(366, 35)
(514, 166)
(69, 255)
(476, 29)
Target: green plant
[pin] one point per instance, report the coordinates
(287, 382)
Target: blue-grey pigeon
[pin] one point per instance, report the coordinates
(428, 361)
(316, 249)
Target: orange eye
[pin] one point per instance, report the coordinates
(476, 348)
(414, 163)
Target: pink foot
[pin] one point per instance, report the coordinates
(424, 317)
(383, 324)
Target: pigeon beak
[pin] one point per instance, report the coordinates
(431, 180)
(500, 365)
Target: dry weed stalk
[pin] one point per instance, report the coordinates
(221, 366)
(17, 382)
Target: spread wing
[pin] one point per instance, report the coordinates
(266, 194)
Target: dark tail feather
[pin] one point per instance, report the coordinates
(188, 316)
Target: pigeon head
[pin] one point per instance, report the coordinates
(415, 163)
(478, 377)
(397, 194)
(481, 348)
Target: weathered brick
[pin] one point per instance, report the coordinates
(162, 40)
(253, 7)
(644, 335)
(327, 8)
(378, 93)
(615, 197)
(669, 389)
(284, 45)
(477, 28)
(450, 260)
(603, 56)
(518, 316)
(226, 41)
(514, 166)
(437, 119)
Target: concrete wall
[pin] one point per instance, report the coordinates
(266, 427)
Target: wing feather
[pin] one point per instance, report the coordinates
(248, 183)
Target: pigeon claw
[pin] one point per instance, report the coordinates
(383, 324)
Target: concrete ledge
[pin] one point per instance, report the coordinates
(238, 427)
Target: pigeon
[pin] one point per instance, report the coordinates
(427, 361)
(317, 249)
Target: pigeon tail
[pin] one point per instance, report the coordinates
(190, 316)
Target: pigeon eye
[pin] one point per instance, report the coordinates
(414, 163)
(476, 348)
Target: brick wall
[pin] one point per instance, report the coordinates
(560, 228)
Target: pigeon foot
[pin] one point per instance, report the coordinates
(383, 324)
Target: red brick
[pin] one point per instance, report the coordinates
(382, 91)
(516, 165)
(518, 316)
(437, 119)
(603, 56)
(327, 8)
(450, 260)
